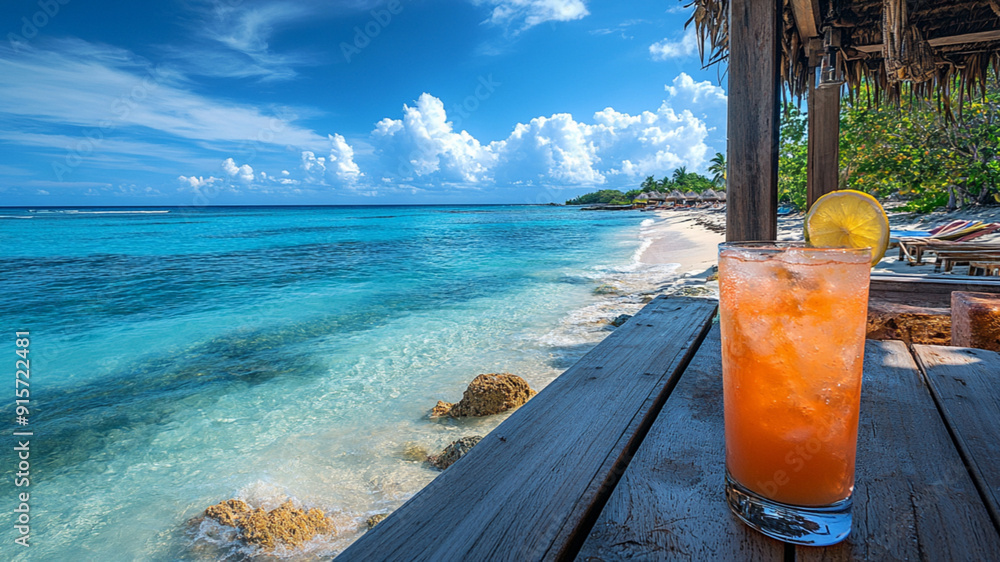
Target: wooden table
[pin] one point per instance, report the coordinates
(622, 457)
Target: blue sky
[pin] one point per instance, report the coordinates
(234, 102)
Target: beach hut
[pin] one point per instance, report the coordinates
(877, 50)
(674, 197)
(692, 198)
(709, 195)
(656, 198)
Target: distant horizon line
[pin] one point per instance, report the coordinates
(29, 207)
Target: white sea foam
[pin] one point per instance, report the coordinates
(622, 289)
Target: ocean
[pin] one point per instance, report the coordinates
(180, 357)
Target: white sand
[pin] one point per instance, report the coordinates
(681, 237)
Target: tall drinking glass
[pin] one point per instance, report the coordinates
(793, 336)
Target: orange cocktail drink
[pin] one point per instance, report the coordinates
(793, 333)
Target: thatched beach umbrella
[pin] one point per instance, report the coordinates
(675, 196)
(692, 196)
(721, 195)
(709, 195)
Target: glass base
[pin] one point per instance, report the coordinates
(812, 526)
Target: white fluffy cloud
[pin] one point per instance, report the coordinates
(314, 167)
(423, 143)
(338, 166)
(342, 160)
(528, 13)
(422, 150)
(704, 94)
(242, 174)
(555, 149)
(669, 49)
(195, 183)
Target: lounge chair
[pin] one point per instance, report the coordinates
(988, 268)
(956, 232)
(946, 259)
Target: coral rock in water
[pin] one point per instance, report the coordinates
(441, 409)
(376, 519)
(492, 394)
(285, 524)
(228, 512)
(453, 452)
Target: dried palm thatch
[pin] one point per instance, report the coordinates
(888, 48)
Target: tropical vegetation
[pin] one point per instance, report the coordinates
(912, 153)
(681, 180)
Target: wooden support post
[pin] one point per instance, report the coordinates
(823, 160)
(754, 94)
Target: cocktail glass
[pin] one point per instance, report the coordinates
(793, 336)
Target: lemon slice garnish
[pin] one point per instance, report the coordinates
(848, 219)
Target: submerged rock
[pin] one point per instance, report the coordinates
(375, 519)
(454, 451)
(285, 524)
(491, 394)
(414, 452)
(620, 319)
(606, 289)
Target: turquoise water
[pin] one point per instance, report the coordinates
(187, 356)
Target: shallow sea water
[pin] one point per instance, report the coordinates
(185, 357)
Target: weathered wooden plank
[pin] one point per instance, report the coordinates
(533, 487)
(926, 291)
(754, 82)
(806, 14)
(966, 385)
(977, 37)
(669, 503)
(914, 498)
(823, 158)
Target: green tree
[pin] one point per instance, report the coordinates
(792, 147)
(718, 170)
(914, 153)
(679, 174)
(604, 196)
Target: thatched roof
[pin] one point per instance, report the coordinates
(931, 43)
(709, 195)
(692, 196)
(675, 195)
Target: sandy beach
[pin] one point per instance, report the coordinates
(683, 238)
